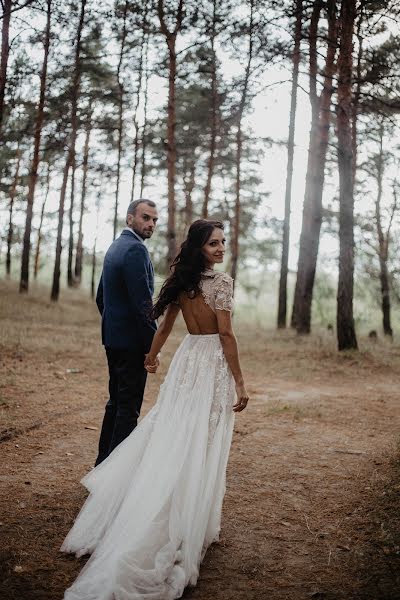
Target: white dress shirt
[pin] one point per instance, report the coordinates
(134, 233)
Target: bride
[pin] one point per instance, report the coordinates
(155, 503)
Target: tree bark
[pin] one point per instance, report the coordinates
(313, 70)
(120, 117)
(39, 234)
(345, 322)
(170, 37)
(282, 298)
(144, 128)
(357, 92)
(26, 250)
(188, 185)
(55, 290)
(13, 193)
(85, 164)
(136, 142)
(312, 211)
(383, 244)
(93, 275)
(239, 147)
(214, 114)
(5, 50)
(385, 291)
(70, 276)
(171, 160)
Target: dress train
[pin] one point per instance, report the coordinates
(155, 503)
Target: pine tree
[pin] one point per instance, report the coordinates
(282, 297)
(170, 36)
(319, 138)
(55, 290)
(345, 322)
(33, 175)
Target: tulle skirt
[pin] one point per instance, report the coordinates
(155, 503)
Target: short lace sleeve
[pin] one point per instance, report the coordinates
(224, 293)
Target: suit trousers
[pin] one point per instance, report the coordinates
(127, 380)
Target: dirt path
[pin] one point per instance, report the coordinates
(309, 510)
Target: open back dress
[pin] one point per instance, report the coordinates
(155, 503)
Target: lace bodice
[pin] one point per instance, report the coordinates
(217, 290)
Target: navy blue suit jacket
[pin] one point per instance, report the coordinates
(124, 295)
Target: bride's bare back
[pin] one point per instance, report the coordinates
(198, 316)
(199, 312)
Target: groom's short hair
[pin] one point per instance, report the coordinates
(133, 205)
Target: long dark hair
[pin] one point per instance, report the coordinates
(187, 266)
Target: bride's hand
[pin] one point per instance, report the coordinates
(151, 364)
(242, 398)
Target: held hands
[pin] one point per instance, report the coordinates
(242, 398)
(151, 363)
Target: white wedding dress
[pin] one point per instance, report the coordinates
(155, 503)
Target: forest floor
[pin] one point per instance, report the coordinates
(313, 486)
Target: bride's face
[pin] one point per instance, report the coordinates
(214, 248)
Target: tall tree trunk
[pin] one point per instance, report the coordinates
(136, 141)
(214, 115)
(385, 291)
(144, 128)
(93, 275)
(5, 50)
(171, 160)
(70, 277)
(345, 322)
(170, 37)
(282, 298)
(26, 250)
(357, 92)
(13, 193)
(39, 234)
(188, 186)
(55, 290)
(236, 216)
(312, 212)
(239, 147)
(383, 244)
(313, 71)
(120, 116)
(85, 164)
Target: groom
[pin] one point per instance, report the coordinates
(124, 299)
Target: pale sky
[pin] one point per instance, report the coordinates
(270, 118)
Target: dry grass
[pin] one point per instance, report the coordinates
(312, 502)
(73, 322)
(40, 324)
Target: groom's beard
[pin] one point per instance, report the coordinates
(144, 234)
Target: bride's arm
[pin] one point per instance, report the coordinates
(161, 336)
(230, 348)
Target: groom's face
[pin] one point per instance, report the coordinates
(144, 221)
